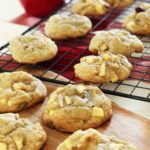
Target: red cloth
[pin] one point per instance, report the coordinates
(40, 8)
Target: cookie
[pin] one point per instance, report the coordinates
(20, 134)
(32, 49)
(144, 6)
(120, 3)
(139, 22)
(93, 140)
(20, 90)
(64, 26)
(76, 107)
(90, 7)
(115, 41)
(104, 68)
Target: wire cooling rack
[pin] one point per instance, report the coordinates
(60, 69)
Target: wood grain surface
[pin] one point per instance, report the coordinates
(124, 124)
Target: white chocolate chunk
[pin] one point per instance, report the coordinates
(130, 25)
(99, 8)
(19, 142)
(3, 101)
(89, 60)
(61, 103)
(106, 57)
(61, 100)
(104, 47)
(3, 146)
(19, 86)
(68, 100)
(80, 89)
(53, 96)
(114, 77)
(102, 70)
(97, 112)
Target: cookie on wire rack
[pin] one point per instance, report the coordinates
(115, 41)
(139, 22)
(90, 7)
(103, 68)
(32, 49)
(64, 26)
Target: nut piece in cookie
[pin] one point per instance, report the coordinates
(75, 107)
(92, 139)
(20, 90)
(32, 49)
(139, 22)
(120, 3)
(90, 7)
(115, 41)
(104, 68)
(64, 26)
(19, 134)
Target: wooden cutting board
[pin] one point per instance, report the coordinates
(124, 124)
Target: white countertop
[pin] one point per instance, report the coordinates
(139, 107)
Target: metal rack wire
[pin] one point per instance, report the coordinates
(60, 69)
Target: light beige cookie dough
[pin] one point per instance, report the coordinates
(115, 41)
(144, 6)
(32, 49)
(64, 26)
(104, 68)
(76, 107)
(139, 22)
(93, 140)
(120, 3)
(20, 90)
(20, 134)
(90, 7)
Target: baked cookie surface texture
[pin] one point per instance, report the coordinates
(104, 68)
(20, 134)
(20, 90)
(115, 41)
(93, 140)
(139, 22)
(120, 3)
(90, 7)
(64, 26)
(76, 107)
(32, 49)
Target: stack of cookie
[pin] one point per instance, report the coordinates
(76, 107)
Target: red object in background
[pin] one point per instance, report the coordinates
(40, 8)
